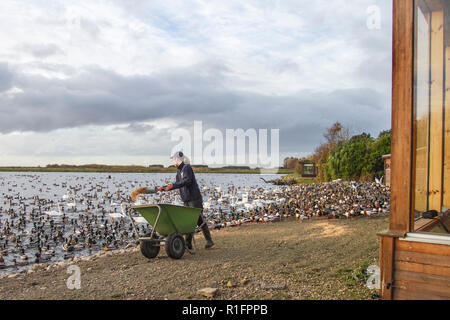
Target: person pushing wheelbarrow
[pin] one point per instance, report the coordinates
(189, 192)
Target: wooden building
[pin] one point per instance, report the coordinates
(308, 169)
(387, 170)
(415, 251)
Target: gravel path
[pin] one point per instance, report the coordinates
(322, 259)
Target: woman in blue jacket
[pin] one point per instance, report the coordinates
(190, 194)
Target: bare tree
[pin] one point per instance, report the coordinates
(334, 135)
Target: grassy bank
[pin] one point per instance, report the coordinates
(296, 179)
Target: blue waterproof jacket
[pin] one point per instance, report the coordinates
(186, 182)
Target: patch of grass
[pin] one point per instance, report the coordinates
(356, 279)
(355, 276)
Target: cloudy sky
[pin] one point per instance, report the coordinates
(109, 81)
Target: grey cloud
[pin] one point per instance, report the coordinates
(41, 50)
(287, 66)
(138, 128)
(376, 69)
(90, 27)
(303, 118)
(51, 67)
(100, 97)
(6, 77)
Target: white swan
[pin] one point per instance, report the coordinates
(115, 215)
(249, 206)
(139, 201)
(72, 205)
(140, 220)
(123, 207)
(53, 212)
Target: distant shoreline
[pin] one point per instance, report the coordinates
(130, 169)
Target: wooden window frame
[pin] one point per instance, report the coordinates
(402, 161)
(402, 216)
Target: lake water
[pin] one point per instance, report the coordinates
(40, 213)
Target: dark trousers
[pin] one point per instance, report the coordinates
(196, 204)
(201, 222)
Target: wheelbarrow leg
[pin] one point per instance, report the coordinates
(190, 242)
(132, 223)
(156, 222)
(190, 239)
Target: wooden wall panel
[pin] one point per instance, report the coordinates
(387, 263)
(401, 294)
(427, 248)
(436, 110)
(423, 278)
(446, 182)
(421, 271)
(433, 290)
(423, 258)
(422, 268)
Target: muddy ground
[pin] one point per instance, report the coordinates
(322, 259)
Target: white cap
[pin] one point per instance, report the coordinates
(178, 155)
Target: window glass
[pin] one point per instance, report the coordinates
(308, 169)
(431, 132)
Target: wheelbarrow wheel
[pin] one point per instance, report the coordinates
(150, 249)
(175, 246)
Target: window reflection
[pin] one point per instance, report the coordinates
(431, 132)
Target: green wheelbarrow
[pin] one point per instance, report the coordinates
(169, 224)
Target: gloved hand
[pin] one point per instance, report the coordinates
(137, 193)
(166, 188)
